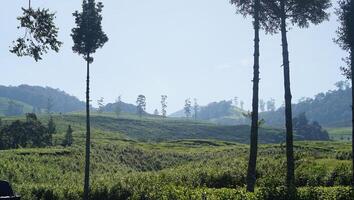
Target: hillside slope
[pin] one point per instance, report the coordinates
(39, 97)
(330, 109)
(170, 130)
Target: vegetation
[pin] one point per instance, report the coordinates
(88, 36)
(141, 105)
(179, 169)
(68, 139)
(331, 109)
(36, 97)
(30, 133)
(346, 41)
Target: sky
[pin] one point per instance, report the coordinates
(183, 49)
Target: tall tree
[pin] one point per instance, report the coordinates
(252, 7)
(242, 104)
(345, 39)
(271, 105)
(262, 105)
(68, 140)
(163, 105)
(117, 107)
(51, 126)
(88, 36)
(100, 104)
(187, 107)
(195, 109)
(50, 104)
(279, 15)
(141, 105)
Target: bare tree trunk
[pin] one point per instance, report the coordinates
(352, 68)
(251, 173)
(88, 137)
(290, 178)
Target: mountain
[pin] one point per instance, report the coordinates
(330, 109)
(42, 97)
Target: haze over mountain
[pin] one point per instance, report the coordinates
(329, 109)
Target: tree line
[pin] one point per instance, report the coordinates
(31, 133)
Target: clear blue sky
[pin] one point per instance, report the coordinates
(187, 48)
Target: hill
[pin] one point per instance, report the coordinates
(124, 107)
(40, 97)
(157, 129)
(222, 112)
(330, 109)
(21, 107)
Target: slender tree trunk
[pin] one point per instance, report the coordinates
(290, 178)
(88, 137)
(251, 173)
(352, 70)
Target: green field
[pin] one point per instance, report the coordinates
(341, 133)
(170, 159)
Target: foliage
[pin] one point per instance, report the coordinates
(311, 131)
(30, 133)
(329, 109)
(163, 105)
(68, 139)
(345, 32)
(41, 34)
(51, 126)
(88, 35)
(188, 107)
(141, 105)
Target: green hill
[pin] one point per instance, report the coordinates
(4, 105)
(40, 97)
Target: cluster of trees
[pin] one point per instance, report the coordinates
(310, 131)
(275, 16)
(30, 133)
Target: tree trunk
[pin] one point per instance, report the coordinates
(352, 68)
(290, 178)
(88, 137)
(251, 173)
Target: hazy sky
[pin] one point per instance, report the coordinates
(187, 48)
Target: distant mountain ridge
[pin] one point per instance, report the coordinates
(39, 97)
(329, 109)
